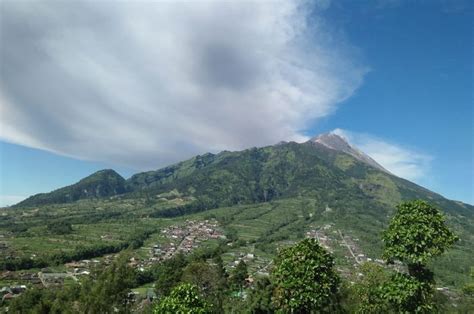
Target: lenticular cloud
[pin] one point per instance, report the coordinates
(148, 83)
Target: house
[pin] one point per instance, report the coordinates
(52, 279)
(5, 290)
(18, 289)
(10, 292)
(8, 296)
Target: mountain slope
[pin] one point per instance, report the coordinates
(325, 168)
(288, 170)
(102, 183)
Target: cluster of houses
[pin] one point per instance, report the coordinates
(322, 237)
(10, 292)
(83, 267)
(239, 257)
(21, 276)
(184, 238)
(330, 238)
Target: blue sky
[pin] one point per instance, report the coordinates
(394, 77)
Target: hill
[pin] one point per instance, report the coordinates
(103, 183)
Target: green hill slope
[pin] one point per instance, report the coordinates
(287, 170)
(103, 183)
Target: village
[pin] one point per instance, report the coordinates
(333, 239)
(176, 239)
(185, 238)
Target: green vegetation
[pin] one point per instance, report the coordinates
(110, 289)
(58, 227)
(368, 291)
(416, 234)
(100, 184)
(304, 277)
(239, 275)
(264, 200)
(103, 291)
(183, 299)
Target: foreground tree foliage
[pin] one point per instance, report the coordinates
(239, 275)
(304, 277)
(109, 293)
(184, 298)
(367, 294)
(209, 280)
(416, 234)
(259, 299)
(54, 301)
(168, 274)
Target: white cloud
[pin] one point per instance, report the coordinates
(402, 161)
(7, 200)
(148, 83)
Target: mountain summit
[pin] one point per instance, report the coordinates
(336, 142)
(103, 183)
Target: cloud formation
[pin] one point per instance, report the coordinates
(148, 83)
(401, 161)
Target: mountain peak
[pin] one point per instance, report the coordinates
(336, 142)
(333, 141)
(103, 183)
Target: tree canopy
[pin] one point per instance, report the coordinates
(416, 233)
(184, 298)
(239, 275)
(304, 277)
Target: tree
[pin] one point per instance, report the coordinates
(40, 300)
(259, 300)
(416, 234)
(467, 302)
(408, 294)
(111, 288)
(207, 279)
(304, 278)
(168, 274)
(468, 288)
(239, 275)
(59, 227)
(368, 291)
(184, 298)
